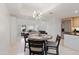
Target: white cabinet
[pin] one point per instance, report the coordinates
(71, 41)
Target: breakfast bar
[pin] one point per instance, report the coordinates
(71, 41)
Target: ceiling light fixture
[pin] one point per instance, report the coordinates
(36, 14)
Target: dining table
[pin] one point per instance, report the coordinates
(43, 37)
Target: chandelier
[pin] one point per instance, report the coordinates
(36, 15)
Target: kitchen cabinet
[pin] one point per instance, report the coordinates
(75, 22)
(71, 41)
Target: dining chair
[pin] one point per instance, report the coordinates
(48, 41)
(26, 40)
(54, 45)
(36, 47)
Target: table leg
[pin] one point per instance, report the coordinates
(45, 48)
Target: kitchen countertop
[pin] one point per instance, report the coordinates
(69, 33)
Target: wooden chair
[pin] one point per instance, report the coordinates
(53, 41)
(54, 45)
(36, 47)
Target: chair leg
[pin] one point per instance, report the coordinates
(47, 48)
(57, 51)
(25, 47)
(29, 52)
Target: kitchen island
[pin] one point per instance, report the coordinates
(71, 41)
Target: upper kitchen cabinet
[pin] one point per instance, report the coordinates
(75, 21)
(70, 24)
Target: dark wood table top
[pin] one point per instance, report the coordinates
(40, 36)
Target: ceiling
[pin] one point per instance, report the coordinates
(27, 9)
(67, 10)
(57, 9)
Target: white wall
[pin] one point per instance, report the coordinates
(13, 26)
(28, 21)
(4, 30)
(51, 24)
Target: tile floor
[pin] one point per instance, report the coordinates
(63, 50)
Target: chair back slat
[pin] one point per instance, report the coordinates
(57, 38)
(36, 44)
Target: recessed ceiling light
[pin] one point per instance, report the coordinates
(76, 11)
